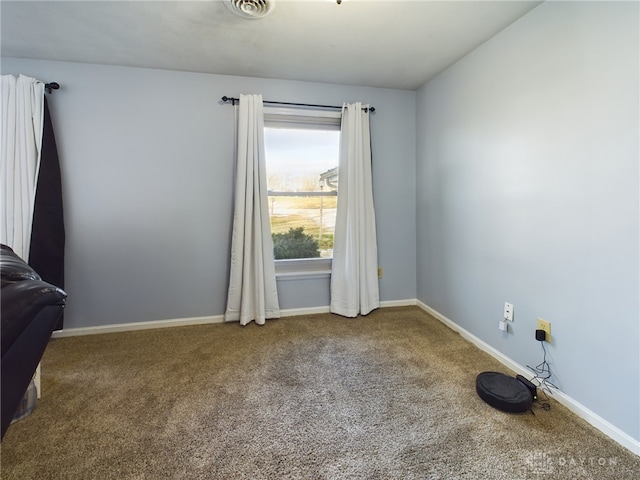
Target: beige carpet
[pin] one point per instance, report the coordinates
(387, 396)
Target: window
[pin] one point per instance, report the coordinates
(302, 151)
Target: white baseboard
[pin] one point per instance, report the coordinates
(127, 327)
(576, 407)
(292, 312)
(408, 302)
(313, 310)
(183, 322)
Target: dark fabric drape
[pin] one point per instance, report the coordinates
(46, 254)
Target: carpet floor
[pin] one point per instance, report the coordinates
(386, 396)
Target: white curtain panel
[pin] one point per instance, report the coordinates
(252, 293)
(21, 126)
(354, 271)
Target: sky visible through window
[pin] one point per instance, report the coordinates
(297, 156)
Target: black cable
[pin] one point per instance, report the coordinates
(542, 373)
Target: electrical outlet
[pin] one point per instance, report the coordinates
(379, 272)
(546, 326)
(508, 311)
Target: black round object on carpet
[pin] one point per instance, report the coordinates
(503, 392)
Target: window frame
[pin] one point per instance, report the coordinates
(312, 119)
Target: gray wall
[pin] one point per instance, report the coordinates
(527, 174)
(147, 161)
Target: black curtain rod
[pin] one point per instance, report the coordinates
(234, 100)
(51, 86)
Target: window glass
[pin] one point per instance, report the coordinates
(302, 179)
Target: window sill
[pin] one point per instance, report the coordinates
(305, 269)
(302, 276)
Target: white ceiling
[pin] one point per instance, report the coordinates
(395, 44)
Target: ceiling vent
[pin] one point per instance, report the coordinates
(252, 9)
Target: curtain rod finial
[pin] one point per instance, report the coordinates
(229, 99)
(51, 86)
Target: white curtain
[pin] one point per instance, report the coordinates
(21, 127)
(252, 283)
(354, 273)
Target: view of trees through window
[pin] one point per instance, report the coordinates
(302, 179)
